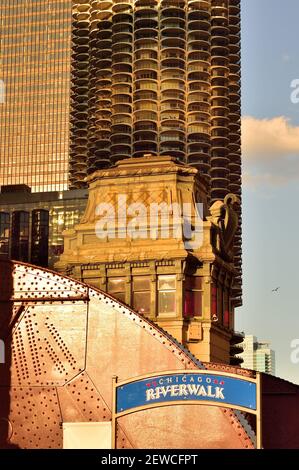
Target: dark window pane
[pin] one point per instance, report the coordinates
(193, 303)
(220, 304)
(193, 282)
(4, 234)
(40, 237)
(226, 313)
(142, 302)
(197, 296)
(141, 283)
(189, 304)
(20, 236)
(121, 296)
(116, 285)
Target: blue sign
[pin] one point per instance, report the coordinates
(180, 387)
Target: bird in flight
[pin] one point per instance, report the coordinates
(276, 289)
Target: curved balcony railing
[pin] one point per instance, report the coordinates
(139, 127)
(122, 5)
(140, 95)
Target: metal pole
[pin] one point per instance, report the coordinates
(113, 430)
(259, 429)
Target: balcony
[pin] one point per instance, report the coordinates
(121, 130)
(104, 64)
(173, 43)
(121, 78)
(121, 89)
(143, 115)
(121, 99)
(145, 95)
(172, 126)
(123, 149)
(146, 75)
(122, 68)
(237, 337)
(121, 58)
(140, 127)
(142, 148)
(121, 120)
(145, 64)
(105, 31)
(172, 84)
(199, 9)
(119, 48)
(197, 118)
(198, 77)
(122, 108)
(122, 37)
(173, 95)
(173, 151)
(145, 105)
(236, 361)
(199, 97)
(146, 86)
(145, 136)
(219, 102)
(174, 25)
(103, 134)
(144, 44)
(105, 4)
(172, 116)
(172, 105)
(146, 33)
(172, 136)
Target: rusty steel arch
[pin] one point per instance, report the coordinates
(64, 342)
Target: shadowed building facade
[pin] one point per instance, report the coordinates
(159, 77)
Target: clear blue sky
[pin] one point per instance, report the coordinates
(270, 61)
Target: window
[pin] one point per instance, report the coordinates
(20, 236)
(166, 295)
(117, 288)
(214, 302)
(4, 234)
(142, 294)
(40, 237)
(226, 312)
(193, 296)
(220, 304)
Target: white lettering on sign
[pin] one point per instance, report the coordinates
(185, 390)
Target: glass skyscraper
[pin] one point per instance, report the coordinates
(35, 70)
(158, 77)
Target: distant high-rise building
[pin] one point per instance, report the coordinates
(158, 77)
(35, 75)
(258, 355)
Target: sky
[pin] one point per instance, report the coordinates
(270, 146)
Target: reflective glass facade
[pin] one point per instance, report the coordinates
(35, 68)
(31, 225)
